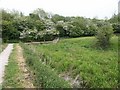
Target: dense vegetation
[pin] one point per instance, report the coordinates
(44, 76)
(71, 56)
(104, 34)
(77, 56)
(41, 26)
(115, 20)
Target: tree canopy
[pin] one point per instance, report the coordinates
(40, 26)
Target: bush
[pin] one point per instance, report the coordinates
(62, 31)
(104, 34)
(76, 32)
(116, 28)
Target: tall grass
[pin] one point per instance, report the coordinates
(44, 76)
(79, 56)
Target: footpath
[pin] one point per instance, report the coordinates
(4, 56)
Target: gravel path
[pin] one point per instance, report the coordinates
(4, 56)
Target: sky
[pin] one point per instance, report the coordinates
(85, 8)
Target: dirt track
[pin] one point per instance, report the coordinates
(26, 75)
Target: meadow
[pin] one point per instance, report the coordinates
(79, 59)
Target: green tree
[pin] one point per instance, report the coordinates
(115, 20)
(41, 13)
(9, 32)
(61, 30)
(78, 27)
(55, 18)
(103, 36)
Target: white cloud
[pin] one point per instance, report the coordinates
(87, 8)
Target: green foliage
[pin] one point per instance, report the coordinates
(34, 16)
(104, 34)
(39, 25)
(114, 19)
(116, 27)
(76, 31)
(82, 27)
(5, 15)
(9, 32)
(41, 13)
(45, 77)
(57, 18)
(62, 31)
(77, 56)
(16, 26)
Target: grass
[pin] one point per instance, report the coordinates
(44, 76)
(12, 72)
(78, 56)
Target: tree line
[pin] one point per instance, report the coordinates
(42, 26)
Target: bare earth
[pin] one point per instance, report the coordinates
(4, 56)
(26, 77)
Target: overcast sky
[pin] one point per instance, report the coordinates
(86, 8)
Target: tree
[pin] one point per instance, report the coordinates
(116, 27)
(34, 16)
(61, 30)
(9, 32)
(91, 28)
(77, 27)
(41, 13)
(115, 20)
(57, 18)
(6, 15)
(103, 36)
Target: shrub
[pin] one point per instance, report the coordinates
(62, 31)
(104, 34)
(116, 28)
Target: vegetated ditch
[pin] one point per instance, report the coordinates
(76, 82)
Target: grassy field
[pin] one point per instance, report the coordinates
(79, 56)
